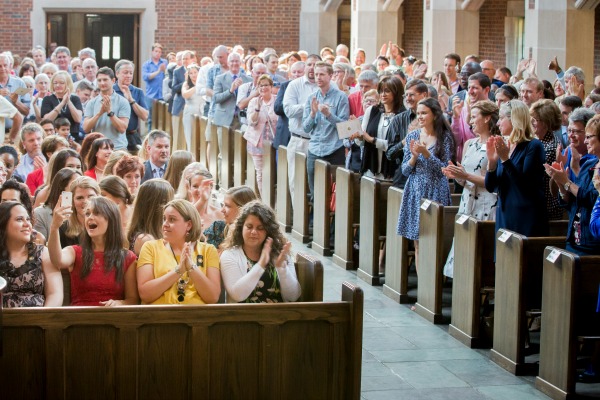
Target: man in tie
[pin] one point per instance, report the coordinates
(159, 151)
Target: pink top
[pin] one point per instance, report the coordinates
(267, 119)
(462, 131)
(98, 285)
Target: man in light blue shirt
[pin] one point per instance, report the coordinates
(108, 113)
(322, 111)
(153, 74)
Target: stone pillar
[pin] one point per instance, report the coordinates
(318, 24)
(374, 22)
(562, 28)
(513, 33)
(449, 26)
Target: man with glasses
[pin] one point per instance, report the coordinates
(567, 105)
(367, 80)
(466, 71)
(416, 90)
(248, 91)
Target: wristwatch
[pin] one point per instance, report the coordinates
(110, 114)
(567, 185)
(132, 102)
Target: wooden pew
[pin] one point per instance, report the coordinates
(436, 230)
(324, 178)
(373, 225)
(161, 110)
(214, 152)
(227, 161)
(203, 121)
(473, 270)
(269, 174)
(196, 137)
(155, 112)
(347, 210)
(569, 298)
(156, 352)
(239, 158)
(519, 265)
(283, 206)
(251, 173)
(301, 210)
(396, 261)
(309, 271)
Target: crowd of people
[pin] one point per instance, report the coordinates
(81, 191)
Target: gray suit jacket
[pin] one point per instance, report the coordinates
(225, 100)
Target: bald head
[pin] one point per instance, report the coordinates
(488, 68)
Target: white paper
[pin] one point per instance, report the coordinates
(21, 91)
(462, 219)
(425, 205)
(553, 256)
(348, 128)
(504, 237)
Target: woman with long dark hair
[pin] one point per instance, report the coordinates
(98, 158)
(32, 280)
(427, 150)
(102, 271)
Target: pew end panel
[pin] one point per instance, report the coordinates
(239, 158)
(213, 151)
(301, 207)
(155, 113)
(397, 264)
(284, 201)
(347, 210)
(570, 295)
(186, 352)
(227, 161)
(372, 233)
(309, 271)
(202, 149)
(473, 270)
(196, 136)
(518, 288)
(269, 174)
(436, 230)
(322, 215)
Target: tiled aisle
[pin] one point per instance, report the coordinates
(406, 357)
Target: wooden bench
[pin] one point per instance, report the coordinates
(227, 161)
(197, 137)
(436, 230)
(473, 270)
(179, 142)
(213, 152)
(518, 288)
(283, 206)
(322, 215)
(155, 119)
(156, 352)
(269, 174)
(347, 211)
(569, 298)
(397, 259)
(301, 207)
(201, 150)
(239, 158)
(162, 116)
(373, 225)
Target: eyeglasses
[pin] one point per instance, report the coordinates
(575, 131)
(409, 95)
(589, 137)
(263, 86)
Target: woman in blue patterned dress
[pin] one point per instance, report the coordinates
(427, 150)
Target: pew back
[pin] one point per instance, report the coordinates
(347, 211)
(324, 178)
(301, 207)
(284, 200)
(186, 352)
(239, 158)
(269, 174)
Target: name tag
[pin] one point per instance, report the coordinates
(425, 205)
(553, 256)
(462, 219)
(504, 237)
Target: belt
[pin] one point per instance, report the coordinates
(132, 132)
(300, 136)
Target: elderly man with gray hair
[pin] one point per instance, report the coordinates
(367, 80)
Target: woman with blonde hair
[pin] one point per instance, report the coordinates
(114, 158)
(178, 268)
(262, 122)
(183, 188)
(115, 189)
(63, 103)
(516, 173)
(201, 185)
(146, 218)
(177, 163)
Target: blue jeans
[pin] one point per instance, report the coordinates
(338, 157)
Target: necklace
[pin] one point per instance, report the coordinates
(181, 282)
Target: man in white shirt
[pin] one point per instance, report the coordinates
(294, 100)
(248, 91)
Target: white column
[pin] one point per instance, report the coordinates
(559, 28)
(318, 24)
(374, 22)
(449, 26)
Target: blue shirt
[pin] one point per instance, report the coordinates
(138, 96)
(25, 167)
(12, 85)
(324, 139)
(210, 84)
(154, 85)
(584, 159)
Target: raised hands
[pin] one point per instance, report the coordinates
(553, 66)
(417, 148)
(265, 255)
(59, 215)
(314, 107)
(282, 258)
(455, 171)
(457, 107)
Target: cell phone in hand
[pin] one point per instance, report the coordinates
(66, 199)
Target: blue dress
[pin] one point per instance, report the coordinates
(425, 180)
(519, 183)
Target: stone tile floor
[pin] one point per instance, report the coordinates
(406, 357)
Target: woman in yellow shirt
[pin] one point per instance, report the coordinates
(179, 269)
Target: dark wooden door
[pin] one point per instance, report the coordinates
(113, 36)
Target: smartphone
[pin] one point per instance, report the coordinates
(66, 199)
(22, 91)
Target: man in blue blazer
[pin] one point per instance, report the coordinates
(159, 151)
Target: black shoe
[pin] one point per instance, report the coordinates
(588, 377)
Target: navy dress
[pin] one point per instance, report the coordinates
(519, 183)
